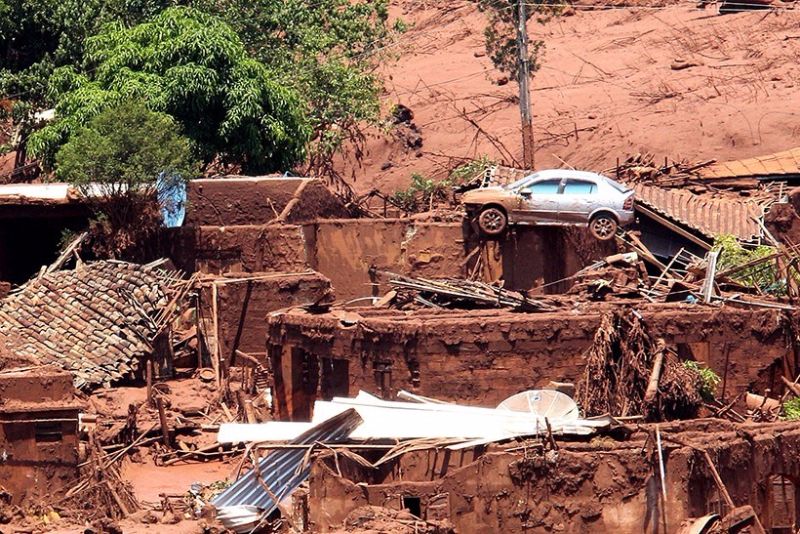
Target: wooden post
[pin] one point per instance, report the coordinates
(249, 413)
(523, 78)
(655, 374)
(149, 373)
(215, 358)
(162, 416)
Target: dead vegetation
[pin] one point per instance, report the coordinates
(630, 374)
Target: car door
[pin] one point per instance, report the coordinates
(539, 203)
(578, 200)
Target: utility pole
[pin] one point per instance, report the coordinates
(524, 76)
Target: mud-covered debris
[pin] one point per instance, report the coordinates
(459, 293)
(620, 366)
(376, 519)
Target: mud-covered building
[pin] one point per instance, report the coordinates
(38, 432)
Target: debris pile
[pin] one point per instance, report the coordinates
(391, 428)
(370, 519)
(630, 374)
(101, 492)
(620, 275)
(452, 293)
(642, 168)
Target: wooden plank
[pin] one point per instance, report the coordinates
(162, 416)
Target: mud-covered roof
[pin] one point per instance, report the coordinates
(778, 164)
(707, 214)
(96, 321)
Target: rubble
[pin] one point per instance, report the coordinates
(356, 374)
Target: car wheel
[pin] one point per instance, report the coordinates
(492, 221)
(603, 227)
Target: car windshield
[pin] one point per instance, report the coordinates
(522, 181)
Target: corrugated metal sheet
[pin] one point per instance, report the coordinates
(777, 164)
(282, 471)
(708, 215)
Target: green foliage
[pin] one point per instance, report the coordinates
(37, 36)
(401, 26)
(115, 161)
(709, 379)
(732, 254)
(424, 193)
(193, 67)
(326, 51)
(125, 148)
(470, 170)
(500, 34)
(791, 409)
(420, 194)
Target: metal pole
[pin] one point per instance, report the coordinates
(524, 75)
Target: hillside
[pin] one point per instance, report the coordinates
(675, 81)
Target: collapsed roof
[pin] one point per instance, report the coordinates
(97, 321)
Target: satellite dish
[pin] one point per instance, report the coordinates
(542, 402)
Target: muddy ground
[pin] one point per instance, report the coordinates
(673, 80)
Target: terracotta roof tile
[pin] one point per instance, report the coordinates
(777, 164)
(710, 216)
(84, 321)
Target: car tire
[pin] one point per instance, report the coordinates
(492, 221)
(603, 226)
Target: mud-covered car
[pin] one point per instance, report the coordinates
(552, 197)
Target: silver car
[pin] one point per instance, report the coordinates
(552, 197)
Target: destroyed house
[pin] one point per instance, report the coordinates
(671, 219)
(99, 321)
(38, 432)
(712, 468)
(485, 356)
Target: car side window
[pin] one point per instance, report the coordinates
(580, 187)
(545, 187)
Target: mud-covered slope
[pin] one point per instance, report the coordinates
(675, 81)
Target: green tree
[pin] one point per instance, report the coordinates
(192, 66)
(500, 34)
(327, 51)
(120, 162)
(39, 35)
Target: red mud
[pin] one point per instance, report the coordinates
(607, 87)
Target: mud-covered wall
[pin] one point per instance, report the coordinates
(243, 200)
(531, 257)
(613, 491)
(38, 434)
(485, 357)
(604, 485)
(249, 249)
(356, 253)
(245, 300)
